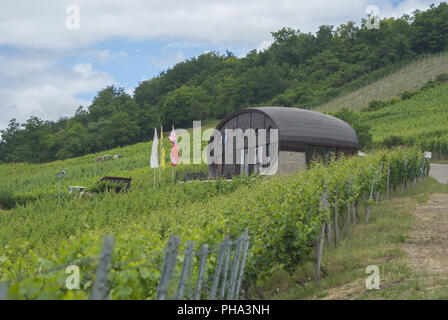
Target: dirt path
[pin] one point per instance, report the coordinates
(427, 244)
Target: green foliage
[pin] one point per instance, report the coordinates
(103, 186)
(420, 120)
(437, 145)
(283, 215)
(424, 38)
(408, 95)
(7, 200)
(362, 129)
(442, 78)
(392, 141)
(376, 105)
(184, 105)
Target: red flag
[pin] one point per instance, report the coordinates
(174, 148)
(174, 155)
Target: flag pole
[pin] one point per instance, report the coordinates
(154, 178)
(161, 153)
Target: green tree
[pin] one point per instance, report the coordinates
(73, 141)
(362, 130)
(107, 102)
(184, 105)
(430, 29)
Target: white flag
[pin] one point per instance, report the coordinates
(155, 151)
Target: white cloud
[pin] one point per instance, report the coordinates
(39, 87)
(41, 24)
(35, 83)
(407, 6)
(104, 56)
(265, 44)
(83, 69)
(169, 59)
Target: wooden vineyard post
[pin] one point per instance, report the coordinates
(324, 205)
(219, 266)
(336, 224)
(419, 176)
(168, 266)
(101, 286)
(201, 272)
(413, 176)
(234, 271)
(320, 241)
(370, 199)
(404, 178)
(379, 181)
(227, 252)
(319, 249)
(353, 214)
(246, 240)
(388, 180)
(417, 172)
(347, 216)
(423, 170)
(188, 259)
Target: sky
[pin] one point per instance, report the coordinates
(50, 64)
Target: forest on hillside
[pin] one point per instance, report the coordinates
(297, 70)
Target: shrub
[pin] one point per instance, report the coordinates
(430, 84)
(23, 199)
(361, 128)
(408, 95)
(103, 186)
(376, 105)
(442, 78)
(7, 200)
(393, 101)
(392, 141)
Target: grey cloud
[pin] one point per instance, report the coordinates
(34, 84)
(41, 24)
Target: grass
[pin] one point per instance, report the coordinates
(424, 115)
(378, 242)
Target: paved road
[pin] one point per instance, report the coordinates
(439, 172)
